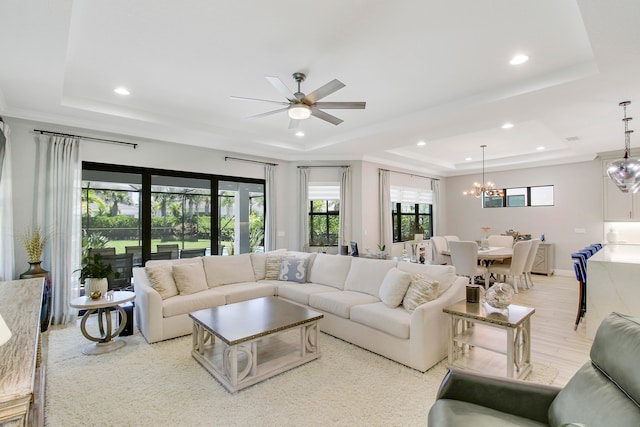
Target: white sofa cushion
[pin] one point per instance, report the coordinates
(366, 275)
(444, 274)
(161, 279)
(237, 292)
(339, 303)
(422, 289)
(184, 304)
(330, 270)
(259, 262)
(394, 286)
(189, 278)
(301, 293)
(224, 270)
(393, 321)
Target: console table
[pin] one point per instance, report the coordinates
(21, 362)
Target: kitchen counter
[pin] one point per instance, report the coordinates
(612, 284)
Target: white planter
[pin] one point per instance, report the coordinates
(92, 284)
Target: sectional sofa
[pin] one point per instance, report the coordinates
(391, 308)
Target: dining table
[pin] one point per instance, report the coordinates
(490, 254)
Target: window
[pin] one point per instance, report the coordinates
(521, 196)
(324, 214)
(411, 213)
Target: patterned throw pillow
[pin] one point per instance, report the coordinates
(422, 289)
(273, 266)
(293, 269)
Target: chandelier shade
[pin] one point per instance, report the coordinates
(625, 173)
(488, 189)
(299, 112)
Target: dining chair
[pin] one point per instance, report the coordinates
(137, 253)
(171, 248)
(516, 268)
(500, 241)
(451, 239)
(464, 257)
(192, 253)
(528, 266)
(121, 267)
(102, 251)
(161, 255)
(438, 247)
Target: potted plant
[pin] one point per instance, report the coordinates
(34, 242)
(381, 251)
(94, 274)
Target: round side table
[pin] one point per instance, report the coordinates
(106, 341)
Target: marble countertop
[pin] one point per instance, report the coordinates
(625, 253)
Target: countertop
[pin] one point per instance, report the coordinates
(620, 253)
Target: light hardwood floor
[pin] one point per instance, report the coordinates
(553, 340)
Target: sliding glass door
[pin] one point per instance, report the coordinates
(241, 217)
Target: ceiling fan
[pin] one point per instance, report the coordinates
(300, 106)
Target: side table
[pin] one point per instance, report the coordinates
(105, 342)
(477, 333)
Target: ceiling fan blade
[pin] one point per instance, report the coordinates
(268, 113)
(325, 116)
(242, 98)
(342, 105)
(293, 123)
(281, 87)
(323, 91)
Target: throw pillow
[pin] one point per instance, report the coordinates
(224, 270)
(273, 266)
(293, 269)
(161, 279)
(422, 289)
(394, 286)
(190, 278)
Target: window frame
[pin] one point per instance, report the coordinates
(327, 214)
(398, 214)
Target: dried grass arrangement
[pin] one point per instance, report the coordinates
(34, 242)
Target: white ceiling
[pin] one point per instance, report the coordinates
(429, 71)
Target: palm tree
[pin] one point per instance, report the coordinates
(116, 197)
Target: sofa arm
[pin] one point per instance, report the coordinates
(524, 399)
(148, 307)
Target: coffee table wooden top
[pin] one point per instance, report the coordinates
(247, 320)
(515, 315)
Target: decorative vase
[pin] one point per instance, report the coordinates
(499, 295)
(485, 238)
(612, 236)
(35, 270)
(92, 285)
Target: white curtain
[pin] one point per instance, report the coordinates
(7, 255)
(345, 206)
(435, 187)
(303, 208)
(385, 209)
(270, 213)
(57, 210)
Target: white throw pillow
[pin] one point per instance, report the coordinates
(224, 270)
(444, 274)
(421, 290)
(394, 286)
(161, 278)
(190, 278)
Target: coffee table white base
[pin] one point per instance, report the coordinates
(242, 365)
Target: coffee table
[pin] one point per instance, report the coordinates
(257, 339)
(477, 332)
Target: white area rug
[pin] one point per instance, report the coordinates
(162, 385)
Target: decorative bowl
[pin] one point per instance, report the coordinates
(499, 295)
(95, 295)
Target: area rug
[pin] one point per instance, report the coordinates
(162, 385)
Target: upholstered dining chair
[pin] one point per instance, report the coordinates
(192, 253)
(121, 267)
(451, 239)
(172, 248)
(464, 257)
(102, 251)
(528, 266)
(137, 254)
(499, 241)
(516, 268)
(439, 246)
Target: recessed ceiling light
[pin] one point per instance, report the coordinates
(421, 143)
(519, 59)
(540, 148)
(122, 91)
(468, 159)
(507, 126)
(299, 134)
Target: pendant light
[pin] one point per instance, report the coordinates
(625, 173)
(487, 189)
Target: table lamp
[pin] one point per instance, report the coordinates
(5, 333)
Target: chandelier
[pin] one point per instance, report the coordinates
(625, 173)
(487, 189)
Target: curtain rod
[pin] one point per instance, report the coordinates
(249, 160)
(411, 174)
(106, 141)
(325, 166)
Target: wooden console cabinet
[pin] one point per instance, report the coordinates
(21, 360)
(544, 263)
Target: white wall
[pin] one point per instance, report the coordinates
(578, 206)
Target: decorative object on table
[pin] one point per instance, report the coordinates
(542, 238)
(405, 255)
(34, 242)
(488, 188)
(95, 295)
(625, 173)
(421, 259)
(5, 332)
(382, 253)
(484, 244)
(499, 295)
(474, 293)
(354, 249)
(612, 236)
(94, 274)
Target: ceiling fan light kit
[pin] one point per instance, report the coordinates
(625, 173)
(488, 188)
(300, 106)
